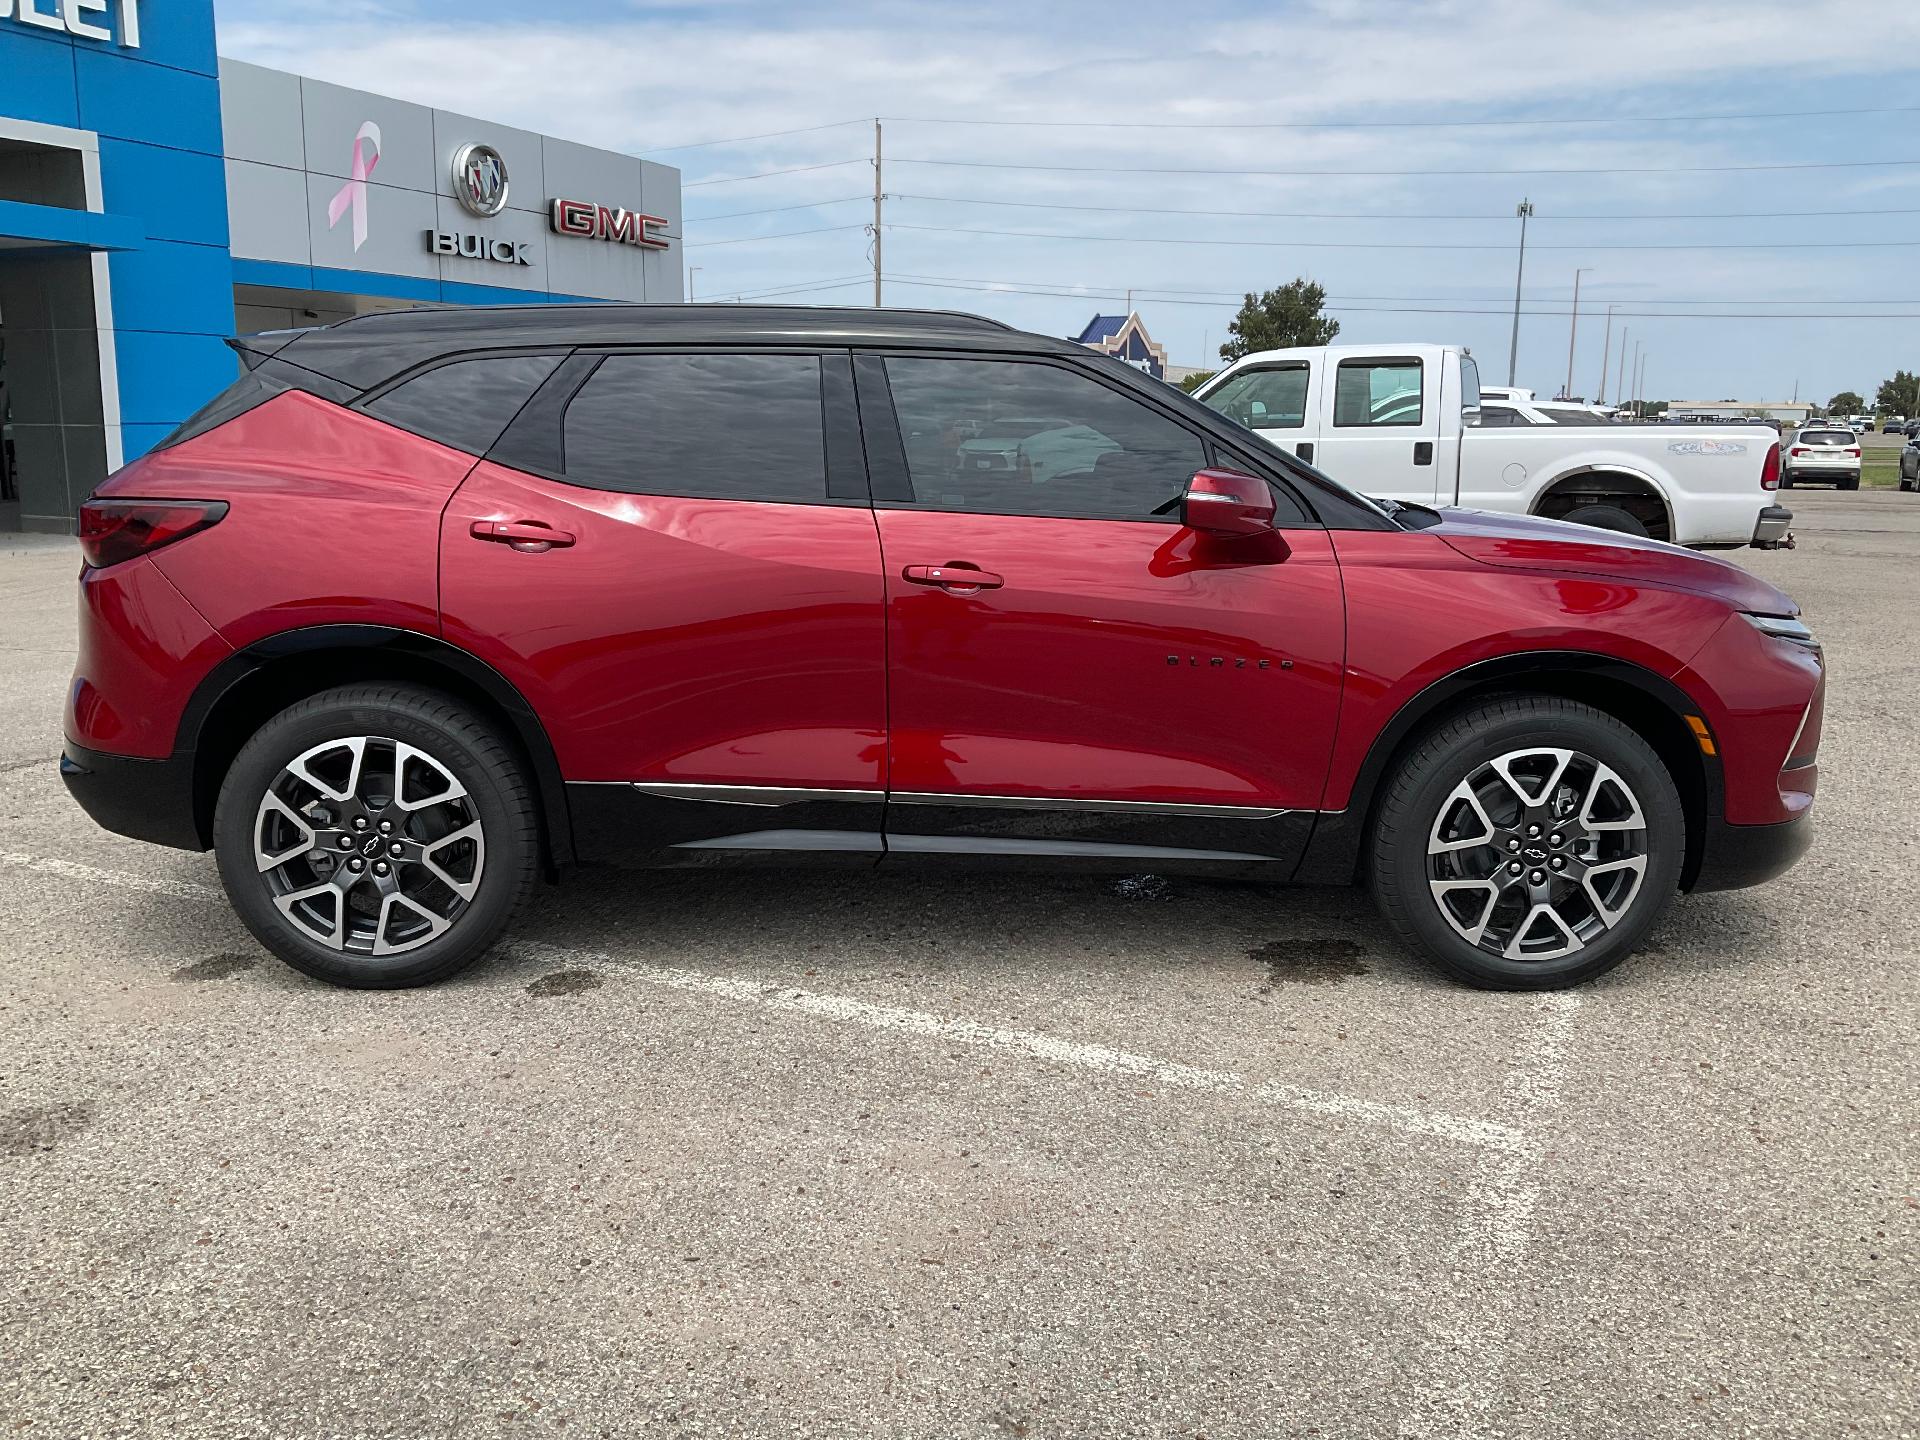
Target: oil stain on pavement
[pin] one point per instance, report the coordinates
(564, 982)
(216, 967)
(1309, 961)
(41, 1127)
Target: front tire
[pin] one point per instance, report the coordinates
(376, 836)
(1527, 843)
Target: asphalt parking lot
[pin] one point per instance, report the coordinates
(784, 1154)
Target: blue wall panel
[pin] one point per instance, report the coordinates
(167, 285)
(182, 194)
(166, 377)
(134, 100)
(36, 78)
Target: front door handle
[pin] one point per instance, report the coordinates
(952, 577)
(1304, 450)
(1423, 452)
(530, 536)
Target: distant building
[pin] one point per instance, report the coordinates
(1125, 337)
(1794, 412)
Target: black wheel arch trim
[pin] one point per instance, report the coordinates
(1334, 853)
(221, 682)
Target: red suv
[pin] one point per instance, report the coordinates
(431, 605)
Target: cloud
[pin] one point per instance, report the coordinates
(649, 76)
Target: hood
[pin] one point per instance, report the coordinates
(1528, 542)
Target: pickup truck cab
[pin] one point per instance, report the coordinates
(1399, 422)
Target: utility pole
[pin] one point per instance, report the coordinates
(1606, 354)
(878, 196)
(692, 270)
(1524, 211)
(1620, 380)
(1574, 329)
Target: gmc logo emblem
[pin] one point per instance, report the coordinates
(597, 222)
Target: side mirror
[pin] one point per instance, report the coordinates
(1225, 502)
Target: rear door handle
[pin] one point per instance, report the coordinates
(1423, 452)
(527, 535)
(1304, 450)
(952, 577)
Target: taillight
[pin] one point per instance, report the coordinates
(116, 530)
(1854, 451)
(1770, 467)
(1797, 450)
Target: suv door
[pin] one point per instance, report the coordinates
(1071, 670)
(1380, 429)
(703, 638)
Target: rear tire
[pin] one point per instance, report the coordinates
(376, 836)
(1853, 484)
(1612, 805)
(1606, 517)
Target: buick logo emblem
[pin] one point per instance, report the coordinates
(480, 179)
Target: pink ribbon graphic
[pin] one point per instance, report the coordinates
(354, 192)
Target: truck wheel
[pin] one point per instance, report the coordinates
(1527, 843)
(1605, 517)
(376, 836)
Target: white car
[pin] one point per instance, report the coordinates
(1538, 412)
(1827, 454)
(1396, 421)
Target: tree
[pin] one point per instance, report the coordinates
(1194, 381)
(1280, 319)
(1845, 403)
(1900, 395)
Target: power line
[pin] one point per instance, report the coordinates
(781, 209)
(1338, 174)
(1385, 215)
(1399, 244)
(744, 139)
(995, 288)
(803, 287)
(1077, 287)
(783, 235)
(1509, 123)
(765, 174)
(1402, 124)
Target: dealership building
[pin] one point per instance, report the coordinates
(155, 199)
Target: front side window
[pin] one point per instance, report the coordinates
(1002, 437)
(728, 427)
(1270, 398)
(1377, 392)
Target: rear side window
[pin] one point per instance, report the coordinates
(1377, 392)
(1494, 414)
(464, 403)
(731, 427)
(1271, 398)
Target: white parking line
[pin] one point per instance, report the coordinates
(1050, 1049)
(1471, 1324)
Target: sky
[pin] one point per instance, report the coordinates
(1157, 108)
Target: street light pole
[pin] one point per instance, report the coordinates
(1524, 211)
(1620, 380)
(1606, 354)
(1574, 328)
(1633, 395)
(692, 270)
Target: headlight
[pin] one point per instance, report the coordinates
(1782, 627)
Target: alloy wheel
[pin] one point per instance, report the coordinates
(1537, 853)
(369, 845)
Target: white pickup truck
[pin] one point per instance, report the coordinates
(1400, 421)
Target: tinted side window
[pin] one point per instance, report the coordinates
(1271, 398)
(1493, 413)
(729, 427)
(1377, 392)
(464, 403)
(1003, 437)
